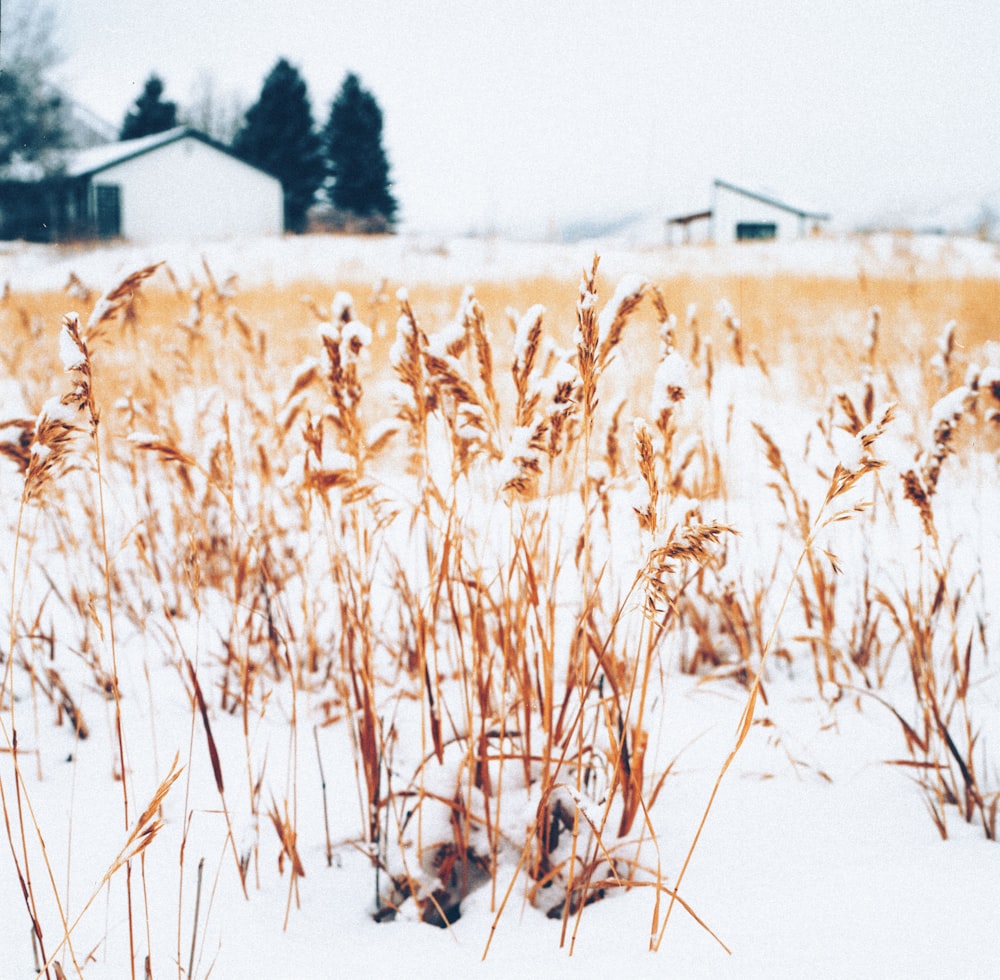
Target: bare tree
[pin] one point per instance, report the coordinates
(217, 114)
(33, 113)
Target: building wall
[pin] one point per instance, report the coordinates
(730, 209)
(188, 189)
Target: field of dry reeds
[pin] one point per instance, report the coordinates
(404, 577)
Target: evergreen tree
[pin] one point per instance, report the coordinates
(279, 136)
(33, 121)
(357, 169)
(149, 114)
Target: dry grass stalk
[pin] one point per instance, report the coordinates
(734, 329)
(649, 515)
(56, 432)
(287, 837)
(611, 324)
(116, 299)
(407, 361)
(920, 483)
(471, 658)
(941, 361)
(475, 323)
(929, 621)
(872, 335)
(839, 485)
(587, 345)
(54, 436)
(140, 837)
(18, 450)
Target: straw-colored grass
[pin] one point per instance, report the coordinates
(472, 534)
(813, 321)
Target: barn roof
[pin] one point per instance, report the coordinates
(86, 163)
(94, 159)
(82, 163)
(772, 201)
(688, 218)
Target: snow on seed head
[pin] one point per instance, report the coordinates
(71, 353)
(356, 336)
(670, 382)
(628, 292)
(527, 335)
(342, 309)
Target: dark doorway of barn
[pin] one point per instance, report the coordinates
(109, 210)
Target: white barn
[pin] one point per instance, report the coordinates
(741, 215)
(179, 184)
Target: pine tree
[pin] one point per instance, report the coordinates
(149, 113)
(357, 169)
(279, 136)
(33, 121)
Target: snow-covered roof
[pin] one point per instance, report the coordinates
(94, 159)
(82, 163)
(772, 201)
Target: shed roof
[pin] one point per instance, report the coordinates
(94, 159)
(86, 163)
(686, 219)
(772, 201)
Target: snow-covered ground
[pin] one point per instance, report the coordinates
(412, 259)
(818, 858)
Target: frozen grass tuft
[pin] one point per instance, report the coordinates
(414, 585)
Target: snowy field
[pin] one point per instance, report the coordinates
(413, 259)
(526, 626)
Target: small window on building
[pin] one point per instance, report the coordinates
(755, 231)
(108, 210)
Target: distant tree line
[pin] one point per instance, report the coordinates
(343, 165)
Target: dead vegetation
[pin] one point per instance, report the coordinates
(458, 544)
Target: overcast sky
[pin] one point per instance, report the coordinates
(523, 116)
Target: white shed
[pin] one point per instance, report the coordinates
(175, 184)
(740, 215)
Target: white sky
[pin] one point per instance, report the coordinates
(521, 116)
